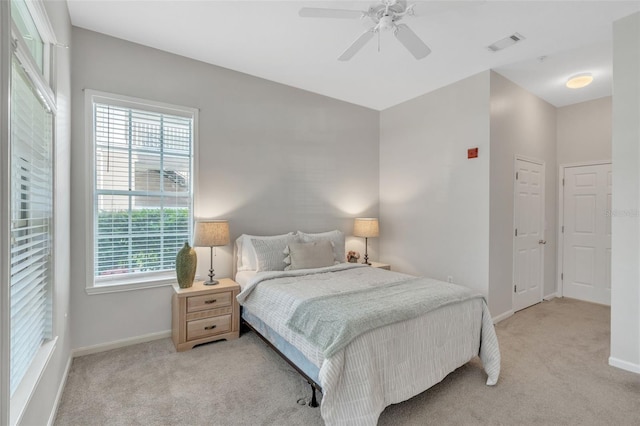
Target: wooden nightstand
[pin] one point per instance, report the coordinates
(380, 265)
(202, 313)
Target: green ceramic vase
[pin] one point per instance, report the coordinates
(186, 262)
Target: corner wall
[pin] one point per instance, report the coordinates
(625, 222)
(521, 124)
(434, 202)
(584, 131)
(271, 159)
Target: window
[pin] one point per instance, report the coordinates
(28, 32)
(31, 165)
(142, 192)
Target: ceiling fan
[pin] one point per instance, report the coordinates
(385, 16)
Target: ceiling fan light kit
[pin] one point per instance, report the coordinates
(385, 17)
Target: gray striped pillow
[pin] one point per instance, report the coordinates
(270, 253)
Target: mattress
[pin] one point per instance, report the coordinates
(384, 366)
(243, 277)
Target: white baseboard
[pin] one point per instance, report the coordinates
(550, 296)
(63, 383)
(502, 316)
(88, 350)
(625, 365)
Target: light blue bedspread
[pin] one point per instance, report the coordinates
(332, 321)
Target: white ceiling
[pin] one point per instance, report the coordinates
(268, 39)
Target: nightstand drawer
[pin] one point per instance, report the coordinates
(209, 301)
(208, 327)
(203, 314)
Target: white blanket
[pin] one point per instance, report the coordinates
(386, 365)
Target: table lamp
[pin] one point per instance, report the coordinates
(211, 233)
(366, 227)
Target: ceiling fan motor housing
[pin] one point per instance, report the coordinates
(385, 16)
(386, 22)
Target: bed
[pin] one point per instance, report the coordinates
(366, 337)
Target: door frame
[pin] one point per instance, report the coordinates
(560, 233)
(542, 164)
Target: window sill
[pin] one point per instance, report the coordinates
(131, 284)
(22, 396)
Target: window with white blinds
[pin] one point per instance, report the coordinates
(143, 197)
(31, 222)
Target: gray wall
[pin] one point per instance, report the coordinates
(434, 202)
(584, 131)
(625, 223)
(271, 159)
(521, 124)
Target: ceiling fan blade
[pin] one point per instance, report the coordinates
(412, 42)
(357, 45)
(315, 12)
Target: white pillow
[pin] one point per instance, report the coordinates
(246, 253)
(316, 254)
(239, 244)
(270, 252)
(336, 237)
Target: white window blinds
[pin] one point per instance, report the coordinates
(31, 222)
(143, 189)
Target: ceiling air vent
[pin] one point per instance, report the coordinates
(506, 42)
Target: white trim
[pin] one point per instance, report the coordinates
(23, 394)
(542, 164)
(496, 319)
(560, 246)
(560, 224)
(132, 102)
(39, 15)
(585, 163)
(89, 180)
(528, 160)
(126, 283)
(102, 347)
(624, 365)
(137, 285)
(5, 154)
(63, 383)
(550, 296)
(27, 62)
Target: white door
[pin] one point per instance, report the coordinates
(528, 241)
(586, 260)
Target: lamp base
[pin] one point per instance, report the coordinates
(211, 281)
(366, 254)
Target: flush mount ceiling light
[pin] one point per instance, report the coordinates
(579, 81)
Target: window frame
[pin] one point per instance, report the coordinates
(127, 282)
(13, 405)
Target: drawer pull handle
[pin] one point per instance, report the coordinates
(211, 327)
(208, 302)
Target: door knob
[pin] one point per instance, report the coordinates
(542, 242)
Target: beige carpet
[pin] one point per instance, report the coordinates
(554, 372)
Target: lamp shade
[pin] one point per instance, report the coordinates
(211, 233)
(366, 227)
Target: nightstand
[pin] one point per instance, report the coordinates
(380, 265)
(202, 313)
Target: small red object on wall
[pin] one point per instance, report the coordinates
(472, 153)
